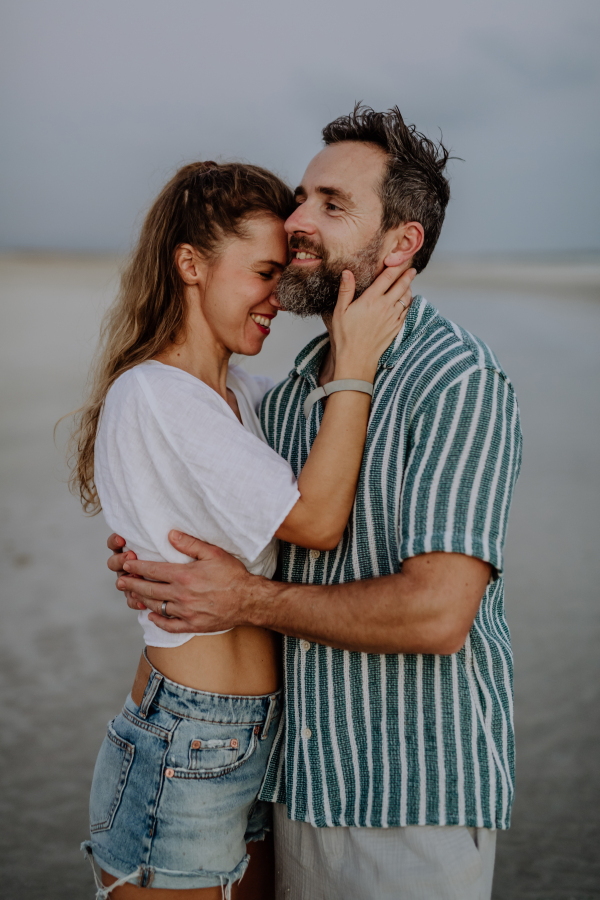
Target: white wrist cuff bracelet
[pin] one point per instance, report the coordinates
(345, 384)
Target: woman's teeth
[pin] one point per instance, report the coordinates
(261, 320)
(301, 254)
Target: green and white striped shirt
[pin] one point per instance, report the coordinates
(402, 739)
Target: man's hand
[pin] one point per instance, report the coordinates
(115, 562)
(428, 607)
(203, 596)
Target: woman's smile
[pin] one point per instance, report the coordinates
(263, 321)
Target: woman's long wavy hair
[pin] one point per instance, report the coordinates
(204, 203)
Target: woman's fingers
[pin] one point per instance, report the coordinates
(346, 290)
(400, 285)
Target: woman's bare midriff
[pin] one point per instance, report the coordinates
(244, 661)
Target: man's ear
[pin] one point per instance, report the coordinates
(404, 242)
(190, 265)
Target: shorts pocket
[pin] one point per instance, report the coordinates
(218, 750)
(110, 777)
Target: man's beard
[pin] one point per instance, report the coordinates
(311, 291)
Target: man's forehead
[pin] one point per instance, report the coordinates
(350, 167)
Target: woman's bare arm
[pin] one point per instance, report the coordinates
(361, 332)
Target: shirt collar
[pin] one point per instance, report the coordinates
(308, 362)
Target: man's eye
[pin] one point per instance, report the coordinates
(332, 206)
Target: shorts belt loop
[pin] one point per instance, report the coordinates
(151, 688)
(270, 711)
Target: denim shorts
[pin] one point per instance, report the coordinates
(174, 793)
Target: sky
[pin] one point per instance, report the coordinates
(101, 101)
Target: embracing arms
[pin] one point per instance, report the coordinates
(428, 607)
(361, 332)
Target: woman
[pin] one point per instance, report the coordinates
(169, 438)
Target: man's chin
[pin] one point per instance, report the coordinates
(308, 292)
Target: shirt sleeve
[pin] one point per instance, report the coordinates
(463, 461)
(234, 485)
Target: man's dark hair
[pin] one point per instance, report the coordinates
(413, 188)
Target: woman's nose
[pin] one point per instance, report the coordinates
(275, 302)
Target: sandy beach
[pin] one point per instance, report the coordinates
(69, 645)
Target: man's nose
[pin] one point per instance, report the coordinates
(300, 220)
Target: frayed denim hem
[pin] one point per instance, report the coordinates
(144, 876)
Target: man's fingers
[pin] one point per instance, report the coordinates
(133, 603)
(156, 571)
(115, 543)
(116, 562)
(147, 590)
(175, 626)
(191, 546)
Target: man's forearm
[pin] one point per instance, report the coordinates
(428, 607)
(402, 613)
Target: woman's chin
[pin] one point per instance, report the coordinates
(250, 348)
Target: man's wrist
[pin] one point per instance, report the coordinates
(260, 601)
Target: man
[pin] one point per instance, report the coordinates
(394, 767)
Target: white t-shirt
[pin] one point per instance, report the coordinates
(171, 453)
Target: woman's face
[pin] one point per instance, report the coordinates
(238, 301)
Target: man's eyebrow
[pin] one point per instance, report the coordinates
(336, 193)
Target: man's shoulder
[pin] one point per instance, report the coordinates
(440, 353)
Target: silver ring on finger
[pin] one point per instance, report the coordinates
(163, 610)
(403, 304)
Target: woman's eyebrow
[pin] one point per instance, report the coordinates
(271, 262)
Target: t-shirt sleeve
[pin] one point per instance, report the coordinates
(234, 484)
(463, 462)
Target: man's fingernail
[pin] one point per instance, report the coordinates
(126, 566)
(176, 535)
(120, 583)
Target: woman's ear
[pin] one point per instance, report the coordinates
(406, 241)
(189, 264)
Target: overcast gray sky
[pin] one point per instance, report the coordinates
(101, 100)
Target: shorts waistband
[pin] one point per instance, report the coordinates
(205, 706)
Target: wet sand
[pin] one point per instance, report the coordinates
(69, 645)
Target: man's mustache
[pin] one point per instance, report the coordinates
(301, 243)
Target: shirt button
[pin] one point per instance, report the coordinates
(306, 732)
(305, 645)
(315, 554)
